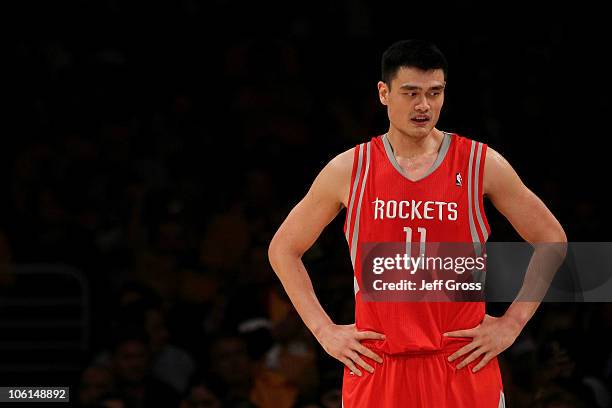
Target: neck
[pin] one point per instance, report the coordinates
(407, 146)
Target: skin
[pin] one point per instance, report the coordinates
(413, 92)
(131, 361)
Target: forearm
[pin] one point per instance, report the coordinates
(544, 263)
(293, 275)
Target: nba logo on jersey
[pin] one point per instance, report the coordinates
(458, 179)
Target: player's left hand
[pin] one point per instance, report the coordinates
(489, 338)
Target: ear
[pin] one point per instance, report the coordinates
(383, 92)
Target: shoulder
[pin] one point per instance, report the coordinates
(343, 162)
(465, 142)
(338, 168)
(495, 160)
(335, 177)
(496, 168)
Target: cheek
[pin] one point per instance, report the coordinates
(400, 107)
(399, 115)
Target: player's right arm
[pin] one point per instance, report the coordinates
(324, 200)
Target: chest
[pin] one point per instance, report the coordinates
(417, 167)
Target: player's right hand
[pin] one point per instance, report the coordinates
(343, 343)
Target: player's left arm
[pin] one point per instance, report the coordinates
(534, 222)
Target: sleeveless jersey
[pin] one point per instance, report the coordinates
(384, 205)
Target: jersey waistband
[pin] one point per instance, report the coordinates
(447, 349)
(422, 353)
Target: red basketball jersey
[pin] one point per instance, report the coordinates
(445, 205)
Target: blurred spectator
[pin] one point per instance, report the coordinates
(231, 365)
(293, 354)
(96, 382)
(559, 366)
(200, 395)
(130, 361)
(246, 380)
(142, 310)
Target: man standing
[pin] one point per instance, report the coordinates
(415, 184)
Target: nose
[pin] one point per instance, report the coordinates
(422, 105)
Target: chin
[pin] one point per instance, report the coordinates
(419, 131)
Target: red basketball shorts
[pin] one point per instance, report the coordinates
(423, 381)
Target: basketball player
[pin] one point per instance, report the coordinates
(412, 354)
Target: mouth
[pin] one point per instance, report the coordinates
(420, 120)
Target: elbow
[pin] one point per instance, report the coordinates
(273, 250)
(559, 241)
(276, 249)
(281, 248)
(562, 242)
(561, 237)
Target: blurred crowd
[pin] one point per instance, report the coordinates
(160, 168)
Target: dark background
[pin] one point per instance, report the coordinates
(151, 149)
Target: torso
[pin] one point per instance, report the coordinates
(440, 195)
(417, 167)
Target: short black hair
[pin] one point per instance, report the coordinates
(420, 54)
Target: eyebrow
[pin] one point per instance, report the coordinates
(411, 87)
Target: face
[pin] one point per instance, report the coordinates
(230, 361)
(95, 382)
(414, 100)
(131, 361)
